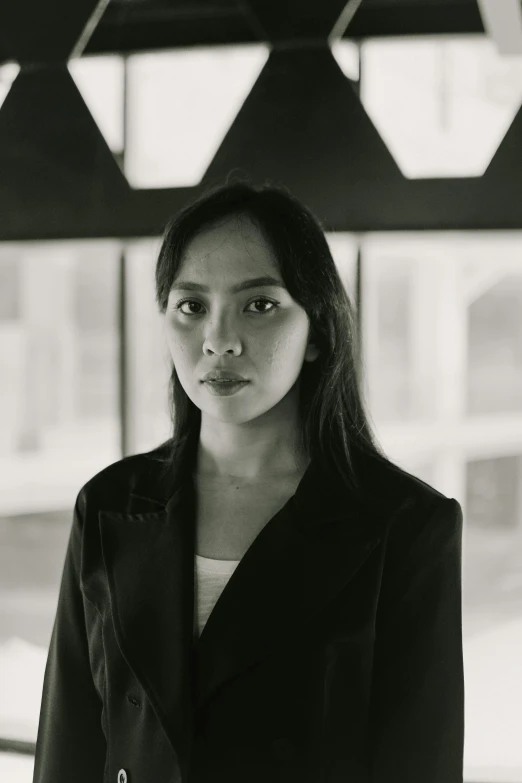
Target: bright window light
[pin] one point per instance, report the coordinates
(180, 106)
(100, 81)
(347, 55)
(442, 105)
(8, 73)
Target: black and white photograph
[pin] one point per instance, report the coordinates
(261, 391)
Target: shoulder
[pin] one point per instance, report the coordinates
(411, 511)
(123, 476)
(421, 550)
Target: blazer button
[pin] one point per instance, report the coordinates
(283, 749)
(122, 776)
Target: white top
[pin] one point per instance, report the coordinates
(211, 578)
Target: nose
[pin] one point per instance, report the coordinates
(221, 337)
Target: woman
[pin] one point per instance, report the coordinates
(264, 597)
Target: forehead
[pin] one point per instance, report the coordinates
(235, 246)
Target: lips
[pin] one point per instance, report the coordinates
(223, 377)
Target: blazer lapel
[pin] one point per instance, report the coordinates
(286, 577)
(148, 558)
(300, 560)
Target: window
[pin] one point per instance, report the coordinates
(441, 104)
(59, 413)
(442, 347)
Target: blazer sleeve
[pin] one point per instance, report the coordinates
(70, 743)
(417, 703)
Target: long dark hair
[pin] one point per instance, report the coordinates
(334, 426)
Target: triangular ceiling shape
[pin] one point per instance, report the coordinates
(55, 166)
(303, 124)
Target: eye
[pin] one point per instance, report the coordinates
(263, 299)
(179, 304)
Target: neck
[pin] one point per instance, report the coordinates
(256, 450)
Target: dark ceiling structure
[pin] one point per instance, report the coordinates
(136, 25)
(146, 25)
(301, 125)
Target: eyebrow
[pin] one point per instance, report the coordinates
(256, 282)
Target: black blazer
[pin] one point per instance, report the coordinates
(333, 655)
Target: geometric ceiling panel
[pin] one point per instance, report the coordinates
(54, 162)
(180, 105)
(303, 123)
(441, 105)
(8, 73)
(100, 81)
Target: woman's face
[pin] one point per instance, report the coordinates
(260, 332)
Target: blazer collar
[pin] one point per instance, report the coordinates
(303, 557)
